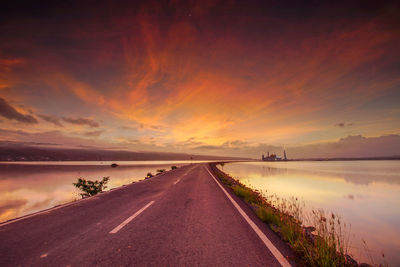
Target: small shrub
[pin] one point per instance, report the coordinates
(227, 182)
(174, 167)
(290, 233)
(91, 188)
(224, 180)
(149, 175)
(268, 216)
(244, 193)
(160, 171)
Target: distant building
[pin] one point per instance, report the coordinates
(273, 157)
(269, 157)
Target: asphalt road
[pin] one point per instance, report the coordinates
(181, 218)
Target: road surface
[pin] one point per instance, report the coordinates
(180, 218)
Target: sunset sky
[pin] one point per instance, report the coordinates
(207, 77)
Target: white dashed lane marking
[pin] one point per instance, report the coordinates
(119, 227)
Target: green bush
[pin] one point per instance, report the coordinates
(174, 167)
(160, 171)
(244, 193)
(91, 188)
(268, 216)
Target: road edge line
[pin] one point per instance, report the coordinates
(275, 252)
(120, 226)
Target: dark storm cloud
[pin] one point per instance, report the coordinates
(19, 144)
(9, 112)
(52, 119)
(93, 133)
(236, 143)
(207, 147)
(82, 121)
(128, 128)
(46, 138)
(350, 147)
(343, 124)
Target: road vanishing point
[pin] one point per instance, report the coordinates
(184, 217)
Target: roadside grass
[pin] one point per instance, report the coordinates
(160, 171)
(224, 180)
(267, 215)
(324, 243)
(244, 193)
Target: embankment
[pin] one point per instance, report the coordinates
(321, 244)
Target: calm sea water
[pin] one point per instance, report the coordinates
(366, 194)
(27, 187)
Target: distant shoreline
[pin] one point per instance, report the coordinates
(313, 159)
(348, 159)
(212, 160)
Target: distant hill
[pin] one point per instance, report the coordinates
(33, 153)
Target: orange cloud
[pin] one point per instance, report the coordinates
(170, 85)
(6, 67)
(191, 73)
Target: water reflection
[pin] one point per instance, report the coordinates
(27, 188)
(365, 193)
(357, 172)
